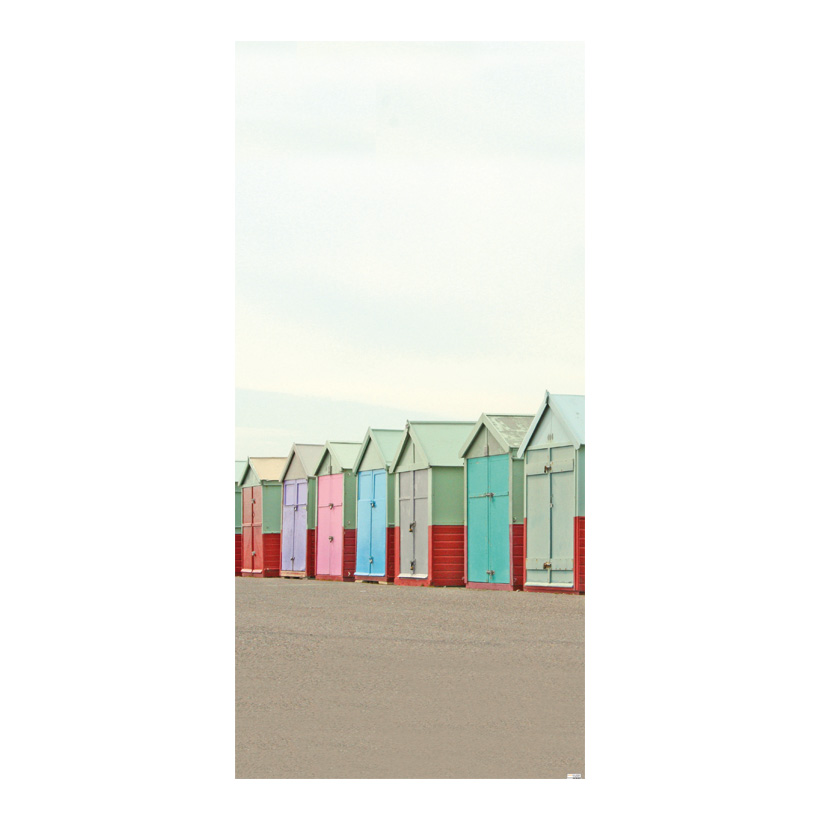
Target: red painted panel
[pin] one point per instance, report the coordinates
(271, 554)
(349, 555)
(517, 550)
(394, 535)
(392, 557)
(310, 555)
(238, 546)
(580, 554)
(447, 548)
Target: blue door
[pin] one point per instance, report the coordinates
(371, 523)
(378, 524)
(364, 522)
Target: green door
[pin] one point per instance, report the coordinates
(488, 520)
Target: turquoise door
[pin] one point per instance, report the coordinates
(488, 520)
(371, 523)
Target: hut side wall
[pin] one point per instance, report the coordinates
(446, 539)
(271, 508)
(447, 496)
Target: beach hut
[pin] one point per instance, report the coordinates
(375, 506)
(299, 511)
(240, 470)
(553, 453)
(336, 511)
(261, 517)
(494, 502)
(430, 503)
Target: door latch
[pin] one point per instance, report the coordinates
(330, 538)
(331, 505)
(547, 564)
(412, 566)
(372, 503)
(412, 527)
(547, 468)
(490, 572)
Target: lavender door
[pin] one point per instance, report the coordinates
(294, 526)
(329, 531)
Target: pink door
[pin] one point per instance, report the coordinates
(329, 522)
(256, 511)
(247, 528)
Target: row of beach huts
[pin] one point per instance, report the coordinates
(492, 504)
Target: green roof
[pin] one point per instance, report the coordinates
(508, 431)
(343, 453)
(385, 441)
(570, 411)
(439, 441)
(308, 455)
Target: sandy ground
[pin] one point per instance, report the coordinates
(343, 680)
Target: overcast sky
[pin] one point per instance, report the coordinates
(409, 234)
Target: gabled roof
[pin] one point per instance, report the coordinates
(385, 442)
(265, 469)
(438, 441)
(308, 455)
(570, 412)
(342, 453)
(240, 470)
(508, 431)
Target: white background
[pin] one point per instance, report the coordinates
(117, 322)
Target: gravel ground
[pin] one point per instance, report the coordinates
(342, 680)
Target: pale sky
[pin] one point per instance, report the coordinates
(409, 234)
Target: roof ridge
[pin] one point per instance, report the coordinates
(440, 422)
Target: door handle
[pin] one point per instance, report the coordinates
(330, 538)
(411, 527)
(547, 564)
(372, 503)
